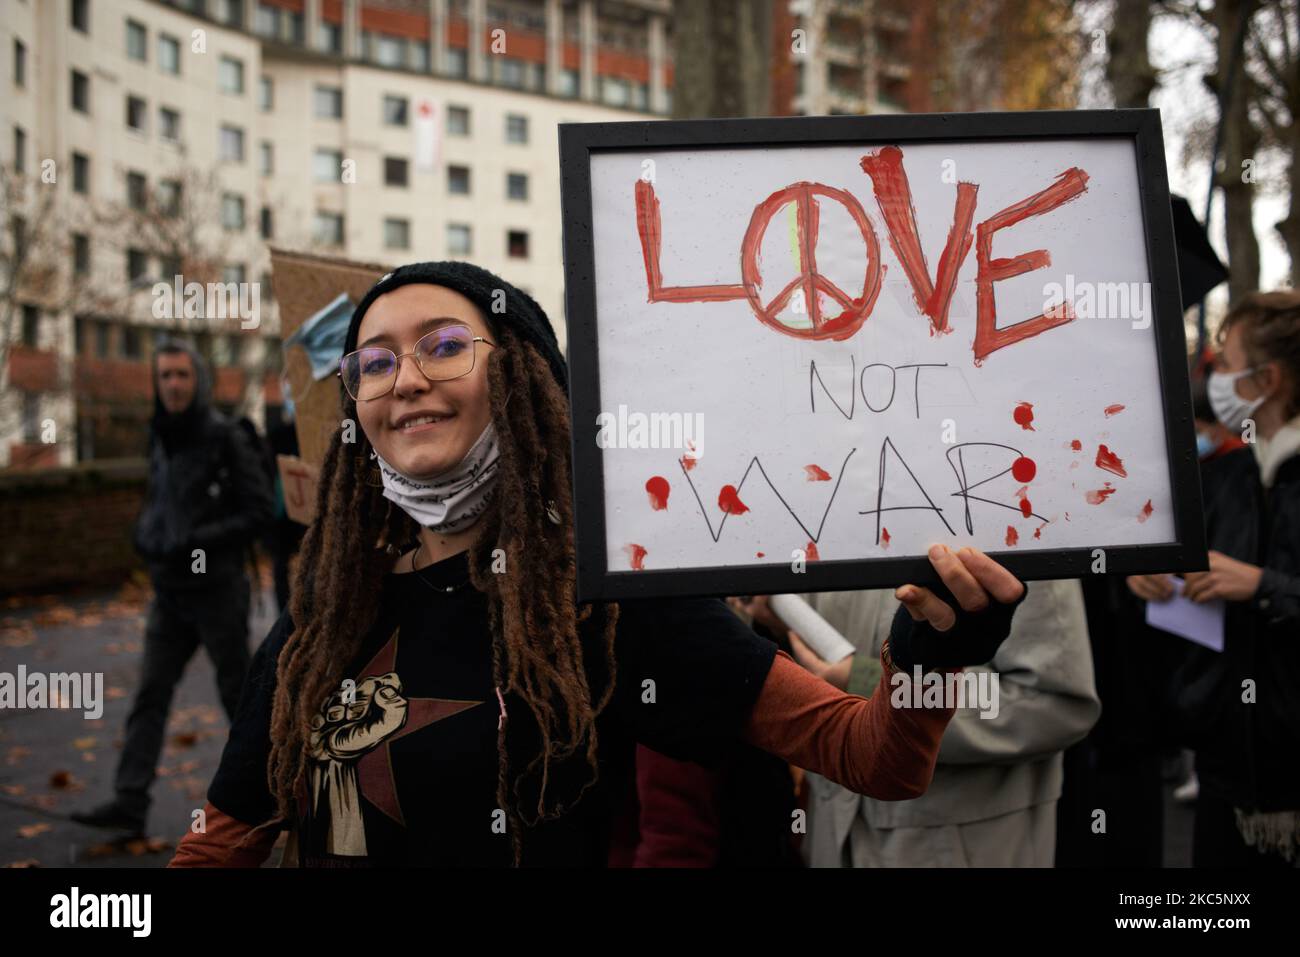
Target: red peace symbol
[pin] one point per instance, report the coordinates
(856, 309)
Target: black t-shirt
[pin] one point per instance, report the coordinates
(404, 772)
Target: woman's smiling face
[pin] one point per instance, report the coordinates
(460, 407)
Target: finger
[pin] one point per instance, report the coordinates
(968, 592)
(1163, 586)
(999, 582)
(1197, 588)
(924, 605)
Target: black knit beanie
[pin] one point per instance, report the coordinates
(522, 314)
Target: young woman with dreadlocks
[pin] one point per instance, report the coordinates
(433, 695)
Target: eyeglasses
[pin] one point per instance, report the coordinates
(447, 352)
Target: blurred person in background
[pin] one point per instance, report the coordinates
(992, 802)
(1241, 707)
(206, 501)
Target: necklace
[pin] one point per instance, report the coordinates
(447, 589)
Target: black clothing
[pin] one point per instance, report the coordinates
(1246, 751)
(404, 772)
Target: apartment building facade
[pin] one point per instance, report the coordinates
(145, 140)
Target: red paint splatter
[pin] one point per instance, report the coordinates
(758, 554)
(637, 554)
(1024, 416)
(884, 538)
(811, 552)
(730, 502)
(1023, 469)
(1099, 496)
(1076, 445)
(817, 474)
(1012, 535)
(1113, 410)
(1146, 512)
(1108, 460)
(657, 486)
(1025, 508)
(688, 463)
(1038, 532)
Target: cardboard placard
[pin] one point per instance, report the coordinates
(304, 284)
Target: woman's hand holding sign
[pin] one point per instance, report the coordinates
(961, 622)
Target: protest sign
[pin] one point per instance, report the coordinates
(805, 349)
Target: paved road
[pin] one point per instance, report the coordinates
(55, 761)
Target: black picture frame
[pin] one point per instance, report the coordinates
(579, 141)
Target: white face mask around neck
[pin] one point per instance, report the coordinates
(452, 500)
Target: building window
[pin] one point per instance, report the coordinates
(81, 173)
(395, 110)
(30, 418)
(458, 239)
(169, 268)
(232, 212)
(169, 197)
(327, 166)
(268, 293)
(169, 124)
(456, 63)
(137, 41)
(418, 56)
(232, 144)
(509, 71)
(230, 75)
(20, 64)
(103, 339)
(136, 114)
(81, 254)
(80, 92)
(329, 102)
(390, 51)
(31, 325)
(614, 91)
(20, 150)
(516, 128)
(132, 346)
(458, 121)
(18, 226)
(137, 265)
(396, 171)
(330, 38)
(266, 21)
(267, 223)
(265, 94)
(458, 182)
(169, 54)
(517, 186)
(568, 83)
(397, 234)
(266, 158)
(137, 190)
(233, 272)
(517, 244)
(80, 10)
(329, 229)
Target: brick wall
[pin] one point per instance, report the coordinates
(69, 526)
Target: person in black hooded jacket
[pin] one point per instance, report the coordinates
(206, 502)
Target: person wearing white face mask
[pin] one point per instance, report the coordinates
(1241, 707)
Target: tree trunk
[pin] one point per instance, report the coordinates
(1128, 67)
(1240, 140)
(721, 52)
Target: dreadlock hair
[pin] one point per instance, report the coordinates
(537, 650)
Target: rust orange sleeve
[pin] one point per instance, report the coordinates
(226, 842)
(865, 744)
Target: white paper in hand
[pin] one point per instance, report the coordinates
(1202, 624)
